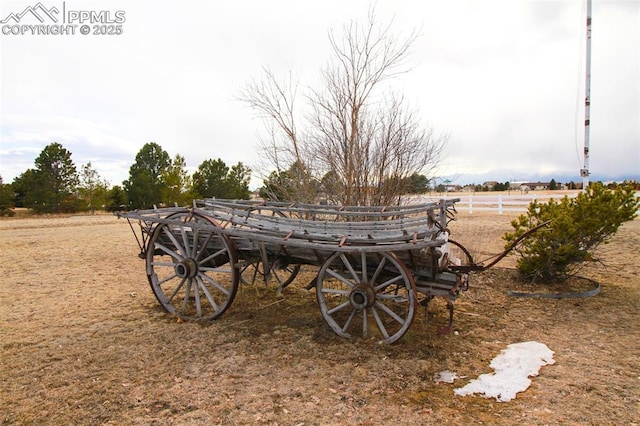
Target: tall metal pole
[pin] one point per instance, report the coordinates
(584, 172)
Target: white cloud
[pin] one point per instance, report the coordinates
(503, 78)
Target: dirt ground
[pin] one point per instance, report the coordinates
(85, 342)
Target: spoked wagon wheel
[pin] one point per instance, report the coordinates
(283, 275)
(458, 256)
(191, 267)
(370, 294)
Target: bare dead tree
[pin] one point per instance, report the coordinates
(373, 142)
(364, 141)
(274, 101)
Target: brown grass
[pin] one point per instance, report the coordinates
(85, 342)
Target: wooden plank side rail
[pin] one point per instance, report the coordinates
(410, 227)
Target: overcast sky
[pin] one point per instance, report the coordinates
(504, 79)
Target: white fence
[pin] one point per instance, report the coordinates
(499, 203)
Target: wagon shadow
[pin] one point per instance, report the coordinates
(259, 312)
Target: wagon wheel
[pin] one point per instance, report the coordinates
(372, 294)
(283, 274)
(191, 268)
(459, 260)
(460, 252)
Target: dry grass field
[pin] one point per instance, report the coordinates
(85, 342)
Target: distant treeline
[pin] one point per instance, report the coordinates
(55, 185)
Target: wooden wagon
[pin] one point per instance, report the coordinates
(374, 264)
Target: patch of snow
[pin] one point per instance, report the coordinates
(512, 368)
(446, 377)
